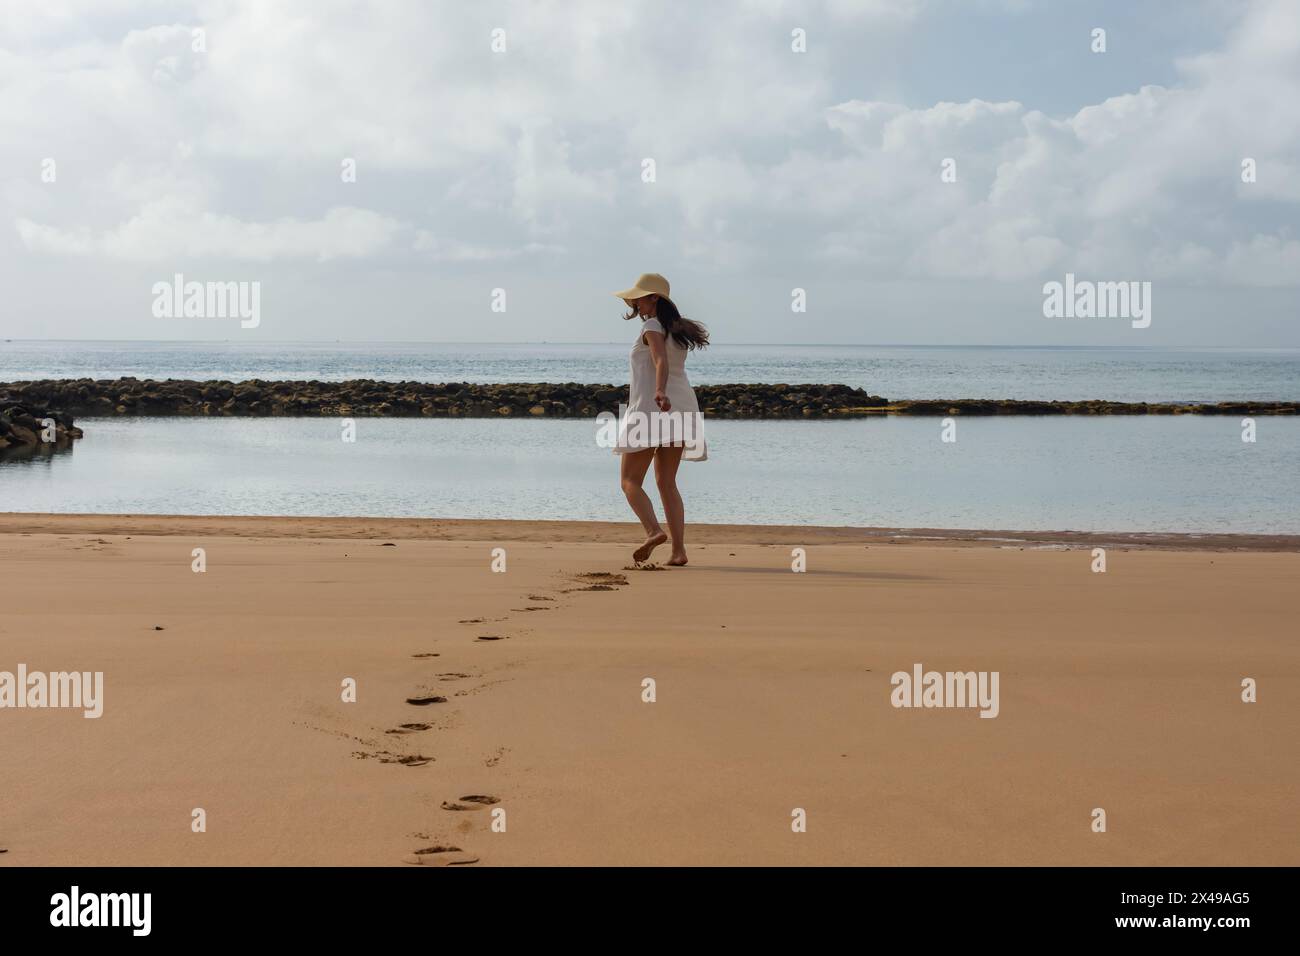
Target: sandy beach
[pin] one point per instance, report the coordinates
(223, 691)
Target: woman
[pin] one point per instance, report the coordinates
(662, 421)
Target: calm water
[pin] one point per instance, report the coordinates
(1118, 374)
(1123, 474)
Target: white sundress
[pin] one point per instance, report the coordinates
(683, 424)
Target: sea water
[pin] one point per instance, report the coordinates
(1178, 474)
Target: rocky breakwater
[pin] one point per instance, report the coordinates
(367, 398)
(25, 426)
(975, 406)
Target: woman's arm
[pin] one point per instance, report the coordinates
(659, 354)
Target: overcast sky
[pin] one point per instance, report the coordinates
(522, 169)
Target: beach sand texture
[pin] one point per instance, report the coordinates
(1119, 690)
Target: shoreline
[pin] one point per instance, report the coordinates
(612, 532)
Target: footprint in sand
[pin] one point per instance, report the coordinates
(603, 577)
(409, 728)
(474, 801)
(415, 760)
(598, 581)
(453, 675)
(473, 620)
(489, 637)
(387, 756)
(426, 701)
(540, 597)
(426, 655)
(440, 856)
(530, 609)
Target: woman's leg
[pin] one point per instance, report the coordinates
(667, 458)
(633, 468)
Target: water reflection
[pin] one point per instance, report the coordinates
(38, 455)
(1180, 473)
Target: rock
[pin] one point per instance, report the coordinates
(27, 424)
(25, 404)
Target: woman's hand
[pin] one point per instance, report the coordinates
(661, 399)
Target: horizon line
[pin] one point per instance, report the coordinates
(882, 345)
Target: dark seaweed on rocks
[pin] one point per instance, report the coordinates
(975, 406)
(27, 425)
(368, 398)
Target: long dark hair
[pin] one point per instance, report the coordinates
(687, 333)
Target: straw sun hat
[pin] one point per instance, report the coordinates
(648, 283)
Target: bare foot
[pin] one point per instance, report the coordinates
(652, 542)
(677, 560)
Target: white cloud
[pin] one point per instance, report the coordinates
(166, 230)
(1145, 183)
(767, 160)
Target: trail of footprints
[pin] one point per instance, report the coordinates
(446, 854)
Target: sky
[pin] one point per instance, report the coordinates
(918, 168)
